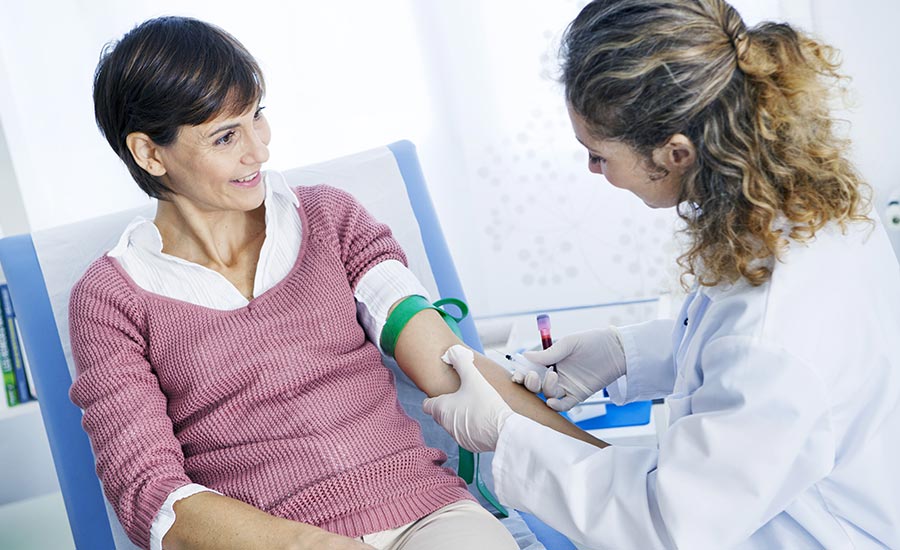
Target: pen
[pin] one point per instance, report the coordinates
(543, 323)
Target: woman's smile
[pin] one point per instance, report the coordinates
(248, 181)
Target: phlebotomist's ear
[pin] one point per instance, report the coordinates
(677, 155)
(145, 153)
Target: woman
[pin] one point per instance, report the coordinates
(781, 372)
(231, 396)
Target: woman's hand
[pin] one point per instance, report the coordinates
(210, 521)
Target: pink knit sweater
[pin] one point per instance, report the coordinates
(283, 404)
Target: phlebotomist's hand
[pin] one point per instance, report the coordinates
(475, 413)
(586, 362)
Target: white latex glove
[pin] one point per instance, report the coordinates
(475, 413)
(527, 373)
(586, 362)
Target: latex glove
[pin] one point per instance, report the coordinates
(475, 413)
(586, 362)
(529, 374)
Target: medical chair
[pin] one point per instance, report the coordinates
(41, 269)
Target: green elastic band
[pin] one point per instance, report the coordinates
(408, 308)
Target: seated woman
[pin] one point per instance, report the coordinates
(231, 395)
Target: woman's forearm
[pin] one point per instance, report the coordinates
(528, 404)
(208, 520)
(418, 352)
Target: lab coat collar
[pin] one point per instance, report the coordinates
(725, 289)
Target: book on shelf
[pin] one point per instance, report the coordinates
(14, 351)
(10, 389)
(28, 375)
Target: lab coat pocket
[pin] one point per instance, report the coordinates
(679, 406)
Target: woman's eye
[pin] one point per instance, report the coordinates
(258, 114)
(594, 159)
(225, 139)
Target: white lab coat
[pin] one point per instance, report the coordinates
(784, 418)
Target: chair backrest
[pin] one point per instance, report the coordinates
(41, 269)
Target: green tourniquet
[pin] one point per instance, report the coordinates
(408, 308)
(396, 322)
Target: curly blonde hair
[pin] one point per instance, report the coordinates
(755, 102)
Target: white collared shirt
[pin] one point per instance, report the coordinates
(139, 252)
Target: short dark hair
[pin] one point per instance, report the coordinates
(166, 73)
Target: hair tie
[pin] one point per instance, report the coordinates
(741, 42)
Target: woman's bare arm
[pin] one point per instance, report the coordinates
(418, 353)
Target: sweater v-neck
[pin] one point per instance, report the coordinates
(251, 303)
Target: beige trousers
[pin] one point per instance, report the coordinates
(462, 525)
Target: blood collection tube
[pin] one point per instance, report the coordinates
(543, 323)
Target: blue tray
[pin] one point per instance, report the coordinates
(632, 414)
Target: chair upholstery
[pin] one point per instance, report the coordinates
(41, 269)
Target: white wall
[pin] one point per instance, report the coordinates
(13, 219)
(66, 171)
